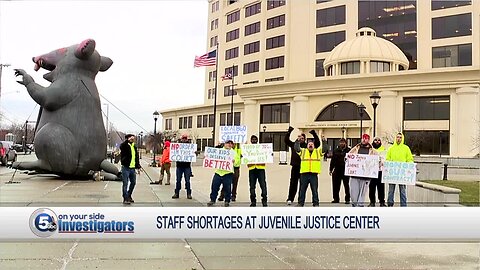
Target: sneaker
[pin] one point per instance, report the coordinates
(264, 204)
(299, 205)
(154, 183)
(189, 196)
(210, 203)
(220, 199)
(316, 205)
(167, 184)
(334, 201)
(253, 204)
(226, 204)
(289, 202)
(234, 199)
(383, 204)
(371, 205)
(126, 202)
(347, 202)
(131, 200)
(175, 196)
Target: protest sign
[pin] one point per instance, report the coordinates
(257, 153)
(183, 152)
(362, 165)
(404, 173)
(238, 134)
(218, 158)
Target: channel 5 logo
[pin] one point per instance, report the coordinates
(43, 222)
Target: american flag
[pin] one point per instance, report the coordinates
(227, 76)
(207, 59)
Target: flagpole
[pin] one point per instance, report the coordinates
(231, 92)
(215, 96)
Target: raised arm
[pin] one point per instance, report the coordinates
(296, 147)
(316, 140)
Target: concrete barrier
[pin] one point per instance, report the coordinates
(433, 194)
(429, 170)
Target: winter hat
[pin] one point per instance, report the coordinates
(167, 144)
(253, 137)
(128, 136)
(365, 137)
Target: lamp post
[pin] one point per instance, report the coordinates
(361, 111)
(375, 99)
(155, 117)
(140, 135)
(264, 128)
(343, 132)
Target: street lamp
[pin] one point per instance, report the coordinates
(140, 135)
(375, 99)
(361, 111)
(155, 117)
(344, 129)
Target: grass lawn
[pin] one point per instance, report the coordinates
(470, 190)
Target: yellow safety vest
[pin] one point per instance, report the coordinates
(238, 155)
(132, 162)
(256, 166)
(311, 163)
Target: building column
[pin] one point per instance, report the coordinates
(300, 107)
(389, 114)
(251, 117)
(464, 130)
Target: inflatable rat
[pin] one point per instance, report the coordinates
(70, 138)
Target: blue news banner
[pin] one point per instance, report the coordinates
(419, 223)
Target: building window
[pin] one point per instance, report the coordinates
(251, 67)
(231, 1)
(436, 4)
(212, 75)
(341, 111)
(211, 121)
(233, 17)
(199, 121)
(168, 124)
(394, 20)
(452, 56)
(352, 67)
(275, 42)
(252, 28)
(330, 16)
(432, 142)
(228, 91)
(276, 79)
(226, 119)
(251, 47)
(232, 35)
(271, 4)
(275, 62)
(231, 53)
(250, 82)
(213, 41)
(211, 93)
(319, 71)
(276, 138)
(426, 108)
(215, 6)
(323, 1)
(276, 21)
(253, 9)
(214, 24)
(326, 42)
(452, 26)
(379, 66)
(185, 122)
(229, 70)
(275, 113)
(203, 120)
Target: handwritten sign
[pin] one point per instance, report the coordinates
(218, 158)
(183, 152)
(404, 173)
(362, 165)
(238, 134)
(257, 153)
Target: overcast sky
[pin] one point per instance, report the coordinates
(152, 45)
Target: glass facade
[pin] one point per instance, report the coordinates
(319, 71)
(276, 138)
(350, 67)
(452, 26)
(275, 113)
(330, 16)
(341, 111)
(426, 108)
(441, 4)
(428, 142)
(394, 20)
(326, 42)
(452, 56)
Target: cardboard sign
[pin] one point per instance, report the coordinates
(362, 165)
(238, 134)
(257, 153)
(404, 173)
(219, 158)
(183, 152)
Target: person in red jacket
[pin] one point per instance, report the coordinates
(165, 164)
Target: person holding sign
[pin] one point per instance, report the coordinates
(399, 152)
(337, 171)
(236, 172)
(257, 172)
(359, 185)
(310, 167)
(295, 163)
(184, 168)
(224, 178)
(130, 161)
(376, 183)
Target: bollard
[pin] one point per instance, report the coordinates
(445, 171)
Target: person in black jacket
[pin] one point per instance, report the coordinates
(295, 163)
(337, 171)
(130, 161)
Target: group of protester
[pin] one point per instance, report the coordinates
(306, 164)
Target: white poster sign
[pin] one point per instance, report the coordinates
(362, 165)
(404, 173)
(238, 134)
(183, 152)
(218, 158)
(257, 153)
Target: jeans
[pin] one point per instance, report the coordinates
(337, 179)
(128, 175)
(187, 172)
(236, 175)
(294, 178)
(305, 179)
(253, 176)
(391, 195)
(226, 182)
